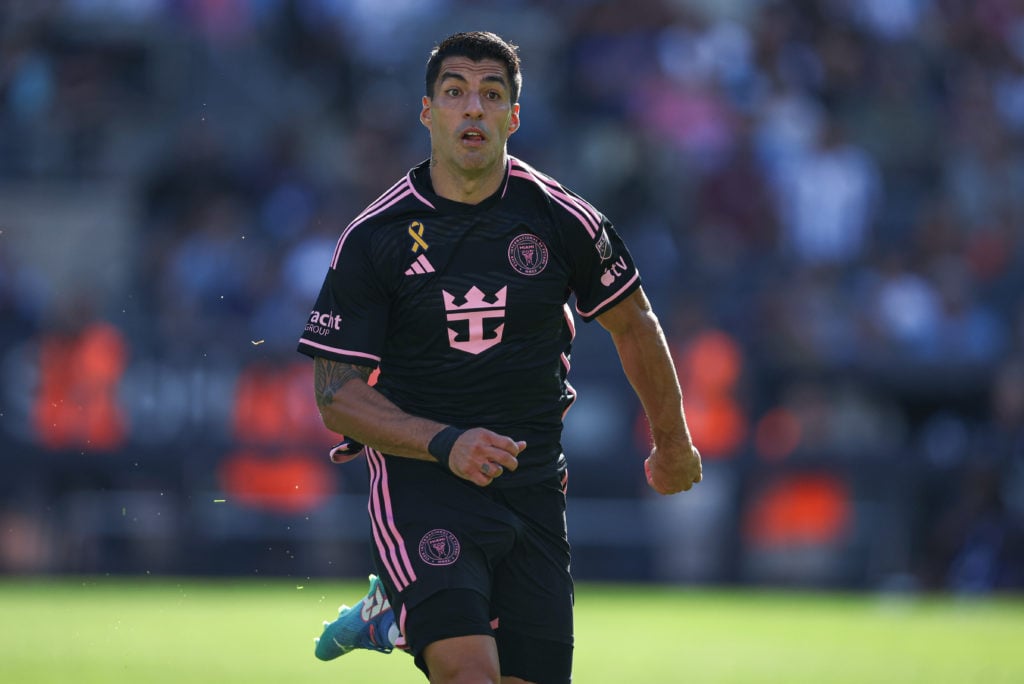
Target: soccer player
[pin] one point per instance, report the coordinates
(455, 282)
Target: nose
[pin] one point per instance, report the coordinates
(474, 106)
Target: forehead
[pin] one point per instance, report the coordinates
(471, 70)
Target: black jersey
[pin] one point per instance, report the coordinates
(465, 307)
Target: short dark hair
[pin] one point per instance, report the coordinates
(478, 46)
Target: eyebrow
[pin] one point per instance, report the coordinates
(459, 77)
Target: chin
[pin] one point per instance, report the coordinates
(479, 160)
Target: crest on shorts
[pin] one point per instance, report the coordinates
(439, 547)
(528, 254)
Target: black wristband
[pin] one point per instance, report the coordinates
(441, 444)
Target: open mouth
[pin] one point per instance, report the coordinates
(473, 136)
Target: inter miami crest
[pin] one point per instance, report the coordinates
(439, 547)
(528, 254)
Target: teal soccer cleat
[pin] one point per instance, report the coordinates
(365, 625)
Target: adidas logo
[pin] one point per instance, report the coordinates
(420, 266)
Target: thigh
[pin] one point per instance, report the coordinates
(433, 532)
(467, 658)
(530, 659)
(533, 589)
(449, 628)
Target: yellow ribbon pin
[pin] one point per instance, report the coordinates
(416, 233)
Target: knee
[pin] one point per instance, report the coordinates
(464, 673)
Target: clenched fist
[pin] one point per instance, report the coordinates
(670, 471)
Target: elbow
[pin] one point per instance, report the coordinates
(336, 423)
(329, 414)
(325, 417)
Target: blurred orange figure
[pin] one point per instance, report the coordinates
(79, 376)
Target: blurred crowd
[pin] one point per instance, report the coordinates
(825, 198)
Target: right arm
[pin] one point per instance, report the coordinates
(349, 406)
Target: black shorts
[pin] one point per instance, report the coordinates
(434, 532)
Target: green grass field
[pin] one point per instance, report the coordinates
(155, 631)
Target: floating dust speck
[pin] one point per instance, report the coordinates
(219, 500)
(257, 343)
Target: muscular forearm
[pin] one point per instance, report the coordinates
(648, 365)
(351, 407)
(674, 463)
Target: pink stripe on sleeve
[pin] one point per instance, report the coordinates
(587, 314)
(591, 218)
(336, 350)
(587, 224)
(398, 187)
(396, 192)
(362, 219)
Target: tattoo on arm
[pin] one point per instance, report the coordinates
(331, 376)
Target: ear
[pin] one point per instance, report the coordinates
(425, 112)
(513, 123)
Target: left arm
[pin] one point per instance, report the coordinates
(674, 463)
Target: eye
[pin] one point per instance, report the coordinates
(493, 95)
(452, 92)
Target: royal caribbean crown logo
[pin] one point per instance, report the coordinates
(474, 312)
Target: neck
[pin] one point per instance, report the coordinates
(468, 188)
